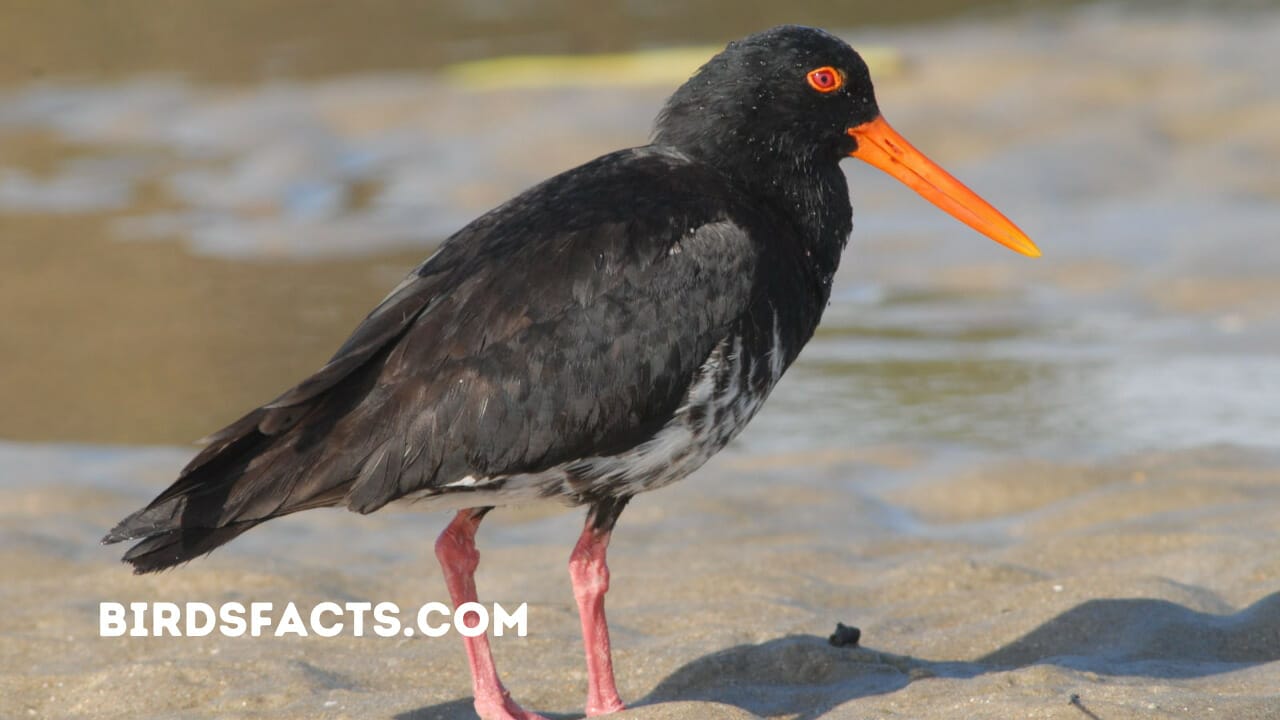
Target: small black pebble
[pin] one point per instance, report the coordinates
(845, 636)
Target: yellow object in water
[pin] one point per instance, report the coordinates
(636, 69)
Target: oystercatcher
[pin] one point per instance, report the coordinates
(601, 335)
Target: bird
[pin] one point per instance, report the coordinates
(601, 335)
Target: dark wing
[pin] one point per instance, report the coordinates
(586, 349)
(567, 323)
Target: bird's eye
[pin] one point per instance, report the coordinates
(825, 79)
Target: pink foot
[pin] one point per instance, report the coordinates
(503, 708)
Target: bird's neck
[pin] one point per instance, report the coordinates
(807, 198)
(812, 202)
(813, 199)
(809, 192)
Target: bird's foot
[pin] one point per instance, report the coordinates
(605, 708)
(503, 708)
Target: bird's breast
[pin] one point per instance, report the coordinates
(726, 391)
(724, 394)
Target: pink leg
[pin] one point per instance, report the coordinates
(456, 550)
(590, 577)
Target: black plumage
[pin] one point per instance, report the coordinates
(600, 335)
(567, 323)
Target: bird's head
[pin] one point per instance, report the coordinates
(798, 97)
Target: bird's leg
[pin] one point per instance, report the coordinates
(590, 574)
(456, 550)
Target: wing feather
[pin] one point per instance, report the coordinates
(568, 322)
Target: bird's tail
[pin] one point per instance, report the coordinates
(305, 449)
(247, 475)
(191, 517)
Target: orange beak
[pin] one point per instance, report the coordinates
(882, 146)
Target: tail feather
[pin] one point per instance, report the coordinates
(300, 451)
(192, 516)
(243, 479)
(148, 521)
(173, 547)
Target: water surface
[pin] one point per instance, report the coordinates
(177, 251)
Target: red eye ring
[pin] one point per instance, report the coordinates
(825, 79)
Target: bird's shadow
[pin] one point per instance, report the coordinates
(804, 676)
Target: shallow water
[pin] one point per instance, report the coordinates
(199, 248)
(236, 41)
(175, 251)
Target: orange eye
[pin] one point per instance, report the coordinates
(825, 79)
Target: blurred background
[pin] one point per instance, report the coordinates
(198, 200)
(1065, 466)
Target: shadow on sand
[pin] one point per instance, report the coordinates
(803, 676)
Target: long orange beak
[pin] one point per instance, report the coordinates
(882, 146)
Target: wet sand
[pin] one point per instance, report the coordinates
(1145, 585)
(1023, 482)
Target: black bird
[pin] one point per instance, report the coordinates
(600, 335)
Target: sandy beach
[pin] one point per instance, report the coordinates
(1144, 586)
(1040, 490)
